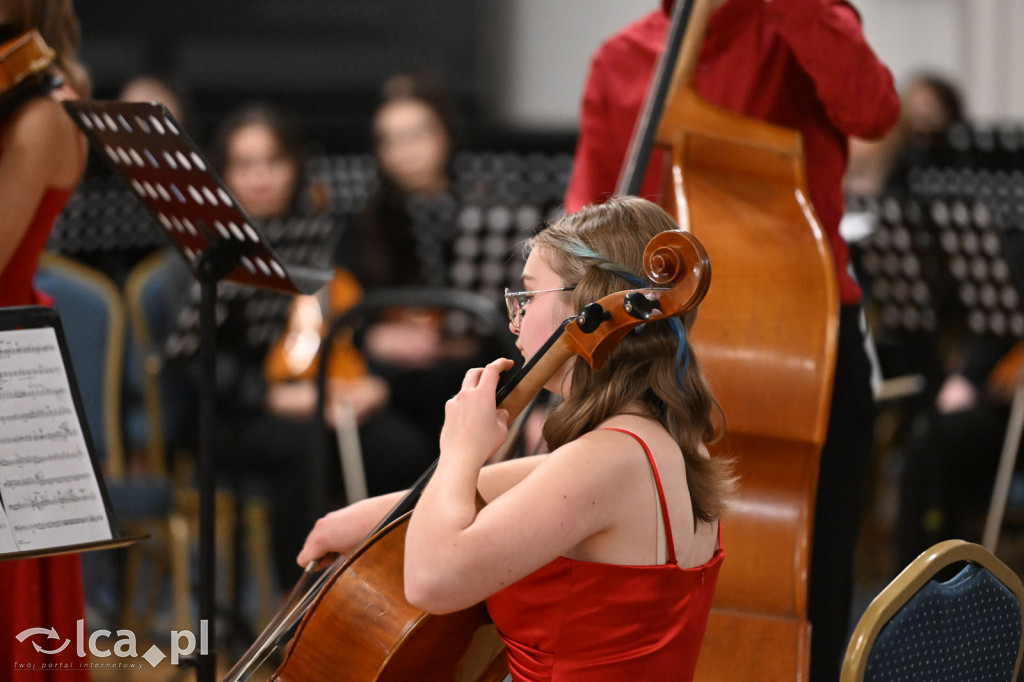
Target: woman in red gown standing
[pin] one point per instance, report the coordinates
(42, 157)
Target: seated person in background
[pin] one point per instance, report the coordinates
(261, 157)
(954, 448)
(600, 560)
(411, 367)
(929, 105)
(148, 87)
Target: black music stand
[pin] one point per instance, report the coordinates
(905, 282)
(175, 182)
(972, 179)
(261, 313)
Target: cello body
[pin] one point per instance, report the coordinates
(363, 612)
(766, 337)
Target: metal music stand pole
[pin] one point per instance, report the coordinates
(1007, 464)
(211, 269)
(167, 172)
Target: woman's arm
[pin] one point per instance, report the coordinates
(855, 87)
(456, 556)
(342, 530)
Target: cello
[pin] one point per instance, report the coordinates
(355, 623)
(739, 184)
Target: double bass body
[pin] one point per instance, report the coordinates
(767, 338)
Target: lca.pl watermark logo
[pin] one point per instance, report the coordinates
(47, 641)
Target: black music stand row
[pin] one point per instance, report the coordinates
(177, 185)
(45, 412)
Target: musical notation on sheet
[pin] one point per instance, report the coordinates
(49, 494)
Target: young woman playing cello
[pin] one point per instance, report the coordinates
(599, 560)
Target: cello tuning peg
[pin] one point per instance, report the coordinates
(591, 317)
(639, 306)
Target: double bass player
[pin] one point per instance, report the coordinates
(801, 64)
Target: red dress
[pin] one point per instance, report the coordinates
(802, 64)
(583, 621)
(38, 592)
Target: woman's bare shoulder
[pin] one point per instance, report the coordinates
(39, 114)
(42, 130)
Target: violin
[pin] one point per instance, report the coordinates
(296, 354)
(23, 64)
(767, 341)
(355, 623)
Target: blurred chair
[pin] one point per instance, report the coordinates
(240, 521)
(917, 629)
(484, 315)
(92, 314)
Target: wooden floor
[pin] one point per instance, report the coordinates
(165, 672)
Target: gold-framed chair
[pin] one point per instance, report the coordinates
(969, 627)
(93, 316)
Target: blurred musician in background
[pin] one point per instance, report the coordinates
(953, 448)
(929, 106)
(408, 367)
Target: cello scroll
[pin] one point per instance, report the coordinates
(673, 258)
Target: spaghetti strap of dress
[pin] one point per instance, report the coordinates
(670, 548)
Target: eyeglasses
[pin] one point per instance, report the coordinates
(515, 302)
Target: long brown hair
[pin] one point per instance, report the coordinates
(592, 250)
(58, 25)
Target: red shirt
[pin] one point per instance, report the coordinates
(802, 64)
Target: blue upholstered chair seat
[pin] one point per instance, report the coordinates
(141, 498)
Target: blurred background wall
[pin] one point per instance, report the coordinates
(514, 67)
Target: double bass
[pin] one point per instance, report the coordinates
(767, 337)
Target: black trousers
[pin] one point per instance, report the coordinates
(948, 472)
(845, 459)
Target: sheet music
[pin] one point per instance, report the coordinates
(7, 543)
(49, 495)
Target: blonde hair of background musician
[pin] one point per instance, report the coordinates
(595, 250)
(57, 24)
